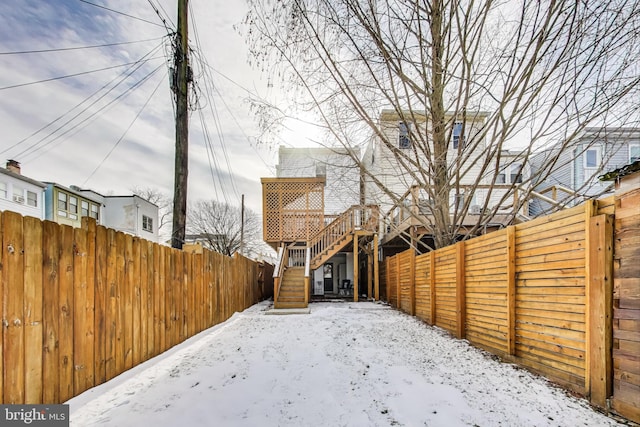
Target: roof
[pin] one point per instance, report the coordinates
(620, 172)
(22, 177)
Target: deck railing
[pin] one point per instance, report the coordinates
(357, 217)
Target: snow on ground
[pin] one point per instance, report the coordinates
(345, 364)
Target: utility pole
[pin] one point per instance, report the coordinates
(180, 85)
(242, 226)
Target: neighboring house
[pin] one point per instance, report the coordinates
(133, 215)
(67, 205)
(401, 169)
(19, 193)
(336, 165)
(574, 177)
(129, 214)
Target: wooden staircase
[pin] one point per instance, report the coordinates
(291, 289)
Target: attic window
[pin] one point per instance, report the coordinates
(404, 129)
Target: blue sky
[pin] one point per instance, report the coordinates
(108, 150)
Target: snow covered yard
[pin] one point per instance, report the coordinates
(345, 364)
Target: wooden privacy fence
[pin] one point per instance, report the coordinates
(537, 294)
(82, 305)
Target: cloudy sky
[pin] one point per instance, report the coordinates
(113, 129)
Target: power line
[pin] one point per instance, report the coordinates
(124, 134)
(164, 21)
(85, 120)
(74, 75)
(120, 13)
(20, 52)
(122, 76)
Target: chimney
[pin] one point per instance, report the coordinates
(13, 166)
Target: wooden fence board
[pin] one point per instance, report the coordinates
(66, 313)
(111, 306)
(136, 303)
(82, 315)
(13, 308)
(50, 285)
(33, 309)
(101, 248)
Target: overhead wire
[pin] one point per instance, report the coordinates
(163, 18)
(209, 81)
(73, 75)
(120, 13)
(91, 116)
(62, 49)
(122, 76)
(125, 133)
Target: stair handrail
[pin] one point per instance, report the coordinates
(278, 271)
(357, 217)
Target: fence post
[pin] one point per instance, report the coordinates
(412, 275)
(460, 291)
(376, 269)
(432, 286)
(511, 290)
(589, 212)
(600, 247)
(398, 288)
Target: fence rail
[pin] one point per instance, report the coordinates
(82, 305)
(533, 294)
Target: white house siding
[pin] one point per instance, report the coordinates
(342, 188)
(383, 164)
(17, 194)
(570, 172)
(127, 214)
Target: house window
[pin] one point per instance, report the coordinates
(634, 153)
(94, 212)
(73, 207)
(516, 173)
(84, 208)
(502, 177)
(32, 199)
(3, 190)
(18, 194)
(456, 135)
(147, 223)
(63, 204)
(592, 158)
(321, 169)
(404, 129)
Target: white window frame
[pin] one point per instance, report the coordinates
(404, 132)
(634, 147)
(585, 158)
(32, 195)
(457, 136)
(18, 194)
(147, 223)
(3, 190)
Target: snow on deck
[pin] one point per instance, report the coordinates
(344, 364)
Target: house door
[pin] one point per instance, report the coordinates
(328, 277)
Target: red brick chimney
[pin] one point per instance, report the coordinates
(13, 166)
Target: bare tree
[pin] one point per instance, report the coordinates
(535, 73)
(218, 227)
(161, 200)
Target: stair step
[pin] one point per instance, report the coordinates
(280, 304)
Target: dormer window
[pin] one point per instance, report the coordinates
(404, 129)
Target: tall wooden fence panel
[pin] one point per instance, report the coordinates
(550, 295)
(81, 306)
(537, 294)
(445, 292)
(486, 283)
(626, 306)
